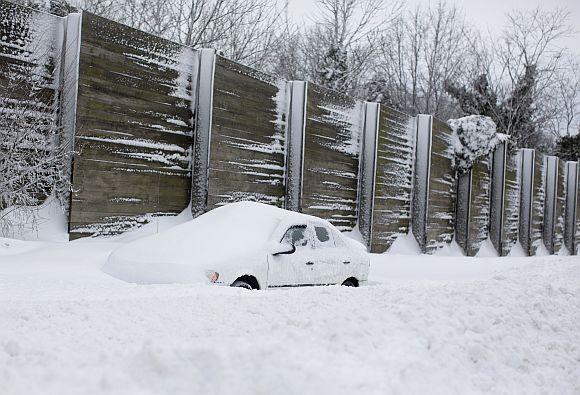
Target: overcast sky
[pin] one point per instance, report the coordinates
(485, 14)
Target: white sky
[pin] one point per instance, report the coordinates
(487, 15)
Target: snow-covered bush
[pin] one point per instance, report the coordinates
(475, 136)
(33, 156)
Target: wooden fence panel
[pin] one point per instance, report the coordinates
(473, 202)
(441, 194)
(31, 48)
(331, 157)
(575, 218)
(511, 205)
(133, 129)
(560, 213)
(505, 199)
(538, 195)
(30, 62)
(391, 214)
(247, 138)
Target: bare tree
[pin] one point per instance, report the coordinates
(243, 30)
(342, 43)
(561, 100)
(528, 66)
(418, 53)
(33, 156)
(286, 56)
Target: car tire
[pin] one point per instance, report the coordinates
(241, 284)
(349, 282)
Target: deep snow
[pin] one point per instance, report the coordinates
(423, 325)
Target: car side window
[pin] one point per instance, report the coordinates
(323, 236)
(298, 236)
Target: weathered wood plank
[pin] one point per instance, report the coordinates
(247, 139)
(134, 128)
(393, 179)
(441, 193)
(30, 67)
(560, 212)
(331, 156)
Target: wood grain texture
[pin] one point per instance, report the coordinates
(440, 219)
(560, 209)
(576, 220)
(511, 205)
(134, 129)
(30, 68)
(537, 217)
(462, 207)
(331, 157)
(393, 179)
(478, 227)
(247, 141)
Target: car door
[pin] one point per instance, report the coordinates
(297, 268)
(329, 256)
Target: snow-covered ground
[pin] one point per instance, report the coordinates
(423, 325)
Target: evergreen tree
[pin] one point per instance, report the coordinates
(376, 90)
(477, 99)
(514, 116)
(519, 110)
(568, 147)
(333, 69)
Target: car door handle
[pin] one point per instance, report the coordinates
(346, 262)
(310, 263)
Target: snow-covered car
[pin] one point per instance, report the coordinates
(244, 244)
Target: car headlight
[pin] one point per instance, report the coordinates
(212, 276)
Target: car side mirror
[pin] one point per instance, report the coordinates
(283, 249)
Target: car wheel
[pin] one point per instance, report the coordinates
(241, 284)
(350, 282)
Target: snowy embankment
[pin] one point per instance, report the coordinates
(423, 325)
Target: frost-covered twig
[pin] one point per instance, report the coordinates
(33, 156)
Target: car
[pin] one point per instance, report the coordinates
(245, 244)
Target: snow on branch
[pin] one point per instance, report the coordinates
(475, 136)
(33, 153)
